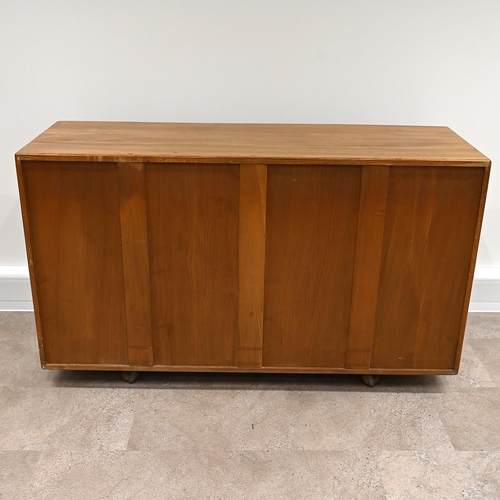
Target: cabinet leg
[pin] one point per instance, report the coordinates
(130, 377)
(370, 380)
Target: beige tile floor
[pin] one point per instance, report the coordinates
(89, 435)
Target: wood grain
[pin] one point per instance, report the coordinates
(253, 143)
(272, 248)
(193, 244)
(472, 266)
(367, 262)
(134, 237)
(75, 242)
(310, 242)
(430, 224)
(31, 262)
(252, 250)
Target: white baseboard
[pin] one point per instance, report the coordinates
(15, 291)
(486, 290)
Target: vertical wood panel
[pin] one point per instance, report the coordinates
(252, 249)
(472, 265)
(134, 235)
(193, 242)
(369, 242)
(310, 242)
(75, 239)
(29, 252)
(430, 225)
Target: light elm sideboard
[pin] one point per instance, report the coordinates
(251, 248)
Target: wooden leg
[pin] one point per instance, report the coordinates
(130, 377)
(370, 380)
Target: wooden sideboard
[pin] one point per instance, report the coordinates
(252, 248)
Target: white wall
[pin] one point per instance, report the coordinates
(429, 62)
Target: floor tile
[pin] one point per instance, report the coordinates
(278, 420)
(488, 350)
(41, 419)
(19, 359)
(483, 326)
(18, 323)
(471, 375)
(217, 474)
(16, 472)
(472, 419)
(440, 475)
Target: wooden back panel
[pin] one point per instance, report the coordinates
(193, 243)
(311, 236)
(74, 222)
(429, 237)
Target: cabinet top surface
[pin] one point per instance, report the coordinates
(253, 143)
